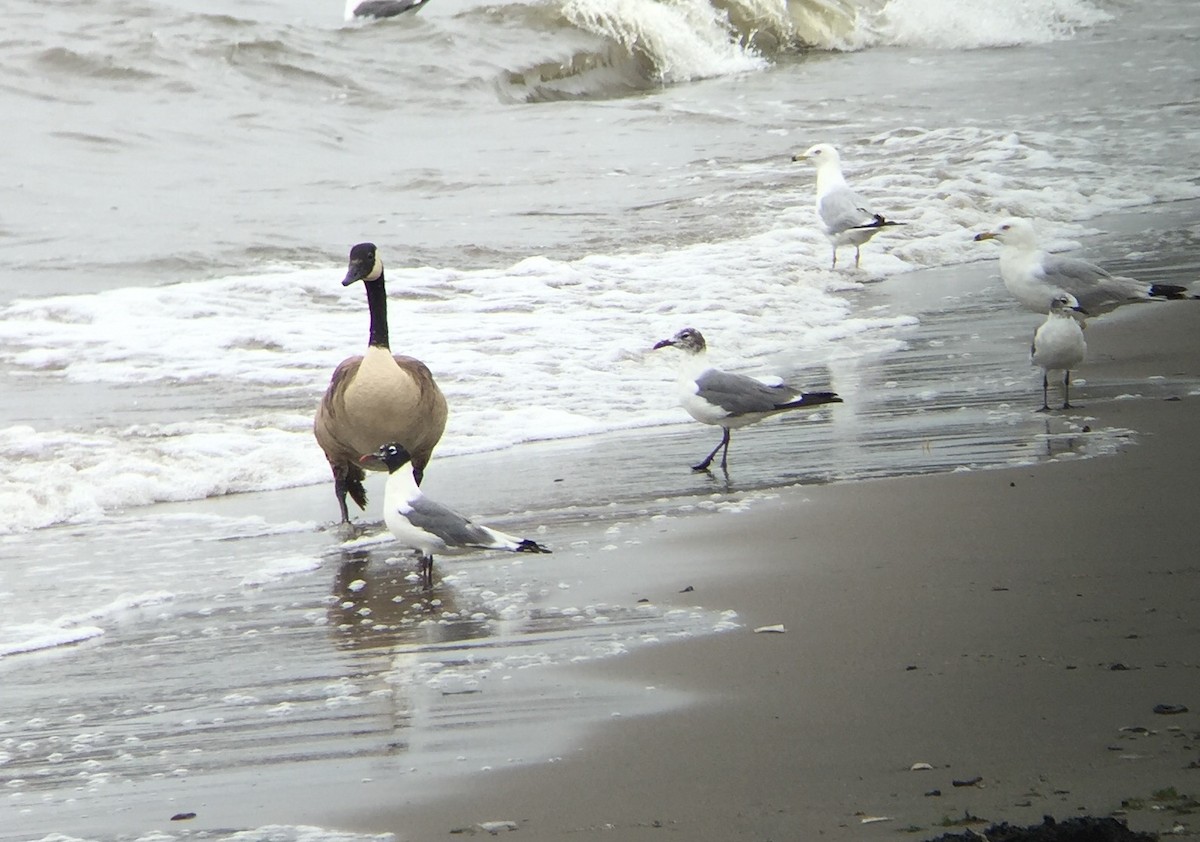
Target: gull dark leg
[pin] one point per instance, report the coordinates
(1045, 393)
(1067, 390)
(725, 452)
(834, 266)
(425, 568)
(703, 466)
(857, 256)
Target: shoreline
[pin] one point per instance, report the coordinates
(1005, 624)
(973, 576)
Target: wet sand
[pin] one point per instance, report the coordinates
(1014, 629)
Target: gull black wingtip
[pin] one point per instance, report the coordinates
(1171, 292)
(813, 399)
(878, 221)
(529, 546)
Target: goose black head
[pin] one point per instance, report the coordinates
(365, 264)
(392, 454)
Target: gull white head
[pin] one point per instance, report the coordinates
(821, 155)
(689, 340)
(1012, 232)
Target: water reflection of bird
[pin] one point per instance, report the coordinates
(376, 606)
(428, 527)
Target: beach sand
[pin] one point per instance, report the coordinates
(1014, 629)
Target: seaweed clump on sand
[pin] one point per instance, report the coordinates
(1084, 829)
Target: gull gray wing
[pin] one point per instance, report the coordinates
(842, 209)
(1095, 288)
(447, 524)
(738, 394)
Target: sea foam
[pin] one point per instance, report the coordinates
(544, 348)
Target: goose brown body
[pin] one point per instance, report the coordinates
(376, 398)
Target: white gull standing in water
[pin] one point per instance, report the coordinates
(726, 400)
(428, 527)
(1035, 278)
(845, 217)
(1058, 345)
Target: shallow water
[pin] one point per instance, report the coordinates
(177, 617)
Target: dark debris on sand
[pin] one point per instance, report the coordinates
(1086, 829)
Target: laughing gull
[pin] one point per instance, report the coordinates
(726, 400)
(1058, 345)
(377, 397)
(1035, 277)
(845, 217)
(428, 527)
(381, 8)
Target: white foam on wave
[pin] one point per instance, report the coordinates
(544, 349)
(686, 40)
(539, 350)
(936, 24)
(974, 24)
(26, 638)
(68, 630)
(266, 833)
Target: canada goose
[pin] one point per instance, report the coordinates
(1035, 278)
(376, 398)
(845, 217)
(428, 527)
(1058, 345)
(726, 400)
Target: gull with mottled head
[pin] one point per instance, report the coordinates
(728, 400)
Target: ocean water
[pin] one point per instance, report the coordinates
(553, 187)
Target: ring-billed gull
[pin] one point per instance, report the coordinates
(427, 527)
(845, 217)
(377, 397)
(1035, 277)
(728, 400)
(1058, 345)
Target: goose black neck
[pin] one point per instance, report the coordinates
(377, 303)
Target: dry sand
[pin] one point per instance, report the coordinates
(1006, 627)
